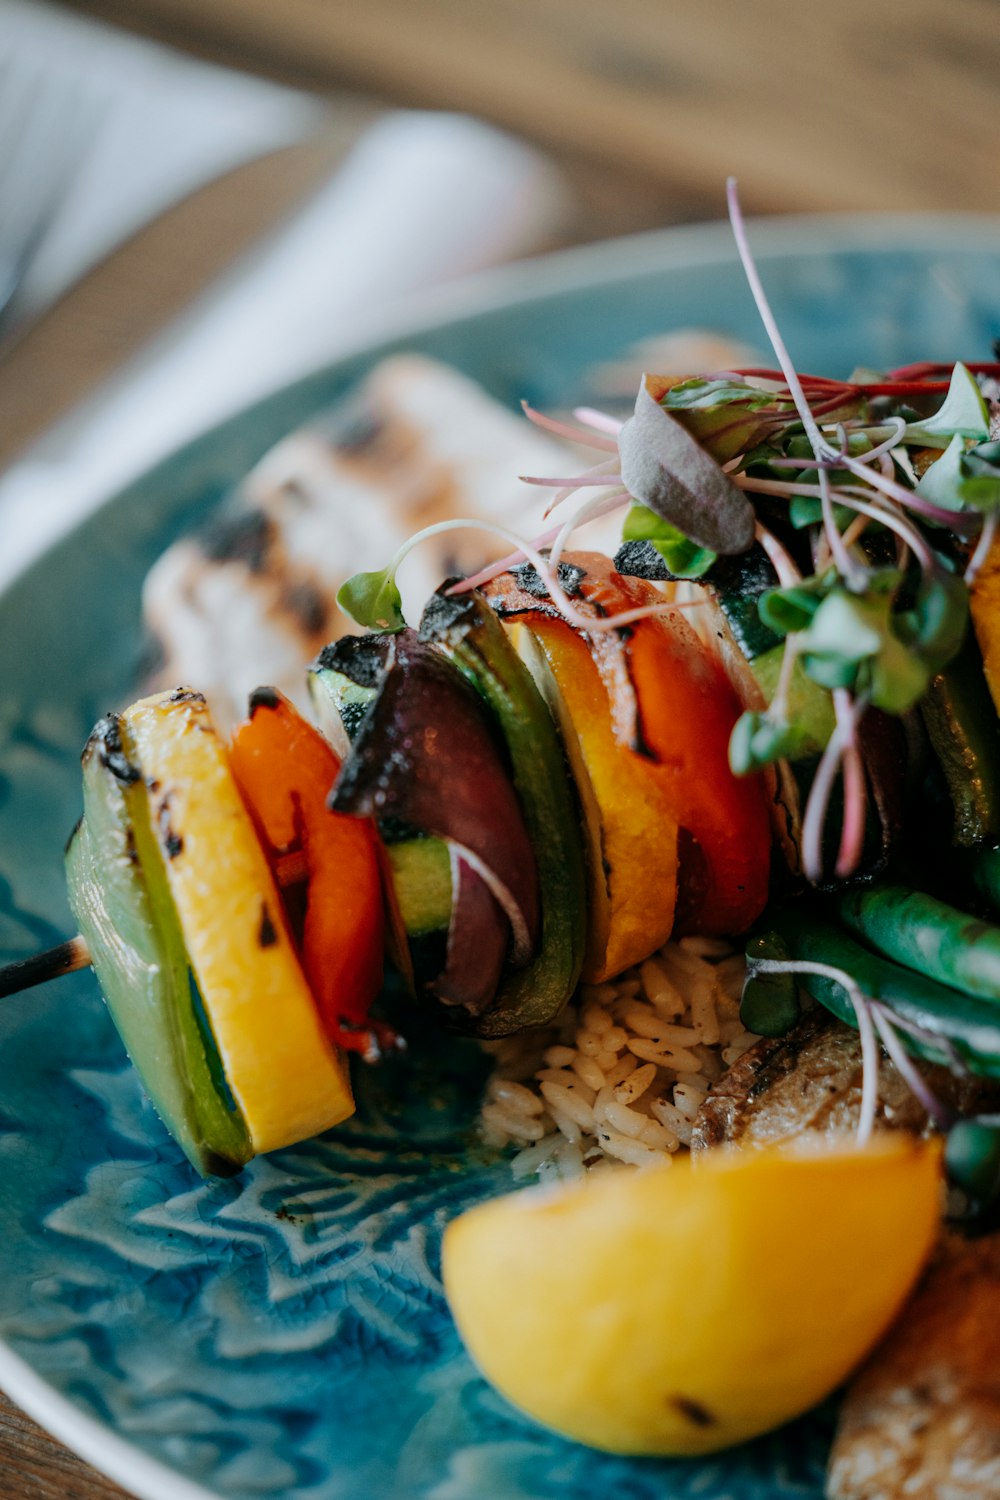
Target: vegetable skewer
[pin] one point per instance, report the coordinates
(164, 809)
(530, 614)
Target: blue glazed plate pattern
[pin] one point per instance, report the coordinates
(285, 1334)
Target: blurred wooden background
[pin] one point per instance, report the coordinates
(846, 106)
(647, 106)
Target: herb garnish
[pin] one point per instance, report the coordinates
(875, 499)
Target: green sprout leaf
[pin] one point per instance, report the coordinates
(857, 641)
(942, 480)
(963, 412)
(690, 395)
(898, 678)
(981, 489)
(984, 459)
(806, 704)
(373, 600)
(727, 417)
(981, 493)
(789, 609)
(960, 479)
(684, 558)
(757, 741)
(937, 623)
(807, 510)
(846, 627)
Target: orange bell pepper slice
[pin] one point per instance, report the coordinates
(284, 769)
(627, 804)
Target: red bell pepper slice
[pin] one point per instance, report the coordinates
(687, 709)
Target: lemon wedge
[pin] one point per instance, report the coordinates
(683, 1308)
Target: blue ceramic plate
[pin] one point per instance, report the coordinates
(285, 1334)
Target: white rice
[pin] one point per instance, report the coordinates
(622, 1074)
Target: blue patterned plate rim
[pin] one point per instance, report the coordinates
(92, 1440)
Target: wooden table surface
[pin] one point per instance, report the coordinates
(647, 106)
(35, 1467)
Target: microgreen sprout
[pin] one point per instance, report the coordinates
(983, 546)
(598, 420)
(867, 502)
(770, 1006)
(862, 1007)
(886, 1026)
(373, 599)
(821, 791)
(592, 438)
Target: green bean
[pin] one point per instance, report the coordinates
(961, 724)
(950, 1023)
(927, 935)
(972, 1159)
(770, 1002)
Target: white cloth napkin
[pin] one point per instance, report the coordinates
(157, 125)
(422, 199)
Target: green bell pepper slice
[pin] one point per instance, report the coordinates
(119, 895)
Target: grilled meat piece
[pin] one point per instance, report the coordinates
(922, 1419)
(251, 597)
(810, 1082)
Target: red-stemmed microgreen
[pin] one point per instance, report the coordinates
(568, 484)
(849, 569)
(788, 572)
(907, 498)
(600, 421)
(814, 818)
(852, 834)
(590, 510)
(862, 1007)
(582, 434)
(779, 704)
(886, 1024)
(986, 539)
(512, 560)
(601, 476)
(374, 600)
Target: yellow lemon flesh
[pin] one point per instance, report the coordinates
(684, 1308)
(287, 1078)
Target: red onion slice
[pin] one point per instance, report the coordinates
(428, 754)
(478, 937)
